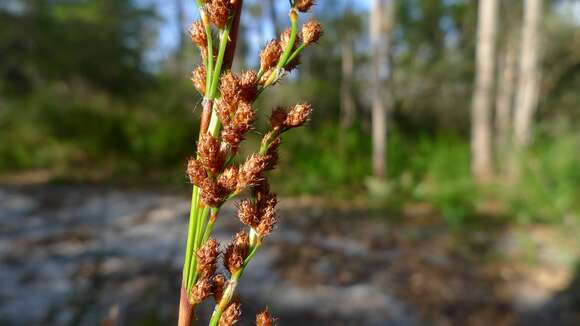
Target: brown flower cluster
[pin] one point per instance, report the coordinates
(264, 319)
(271, 54)
(260, 214)
(206, 266)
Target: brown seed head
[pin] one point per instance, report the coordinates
(236, 252)
(228, 180)
(197, 33)
(224, 111)
(201, 290)
(219, 284)
(229, 87)
(198, 79)
(248, 213)
(243, 118)
(285, 39)
(232, 137)
(298, 115)
(231, 315)
(263, 318)
(211, 193)
(209, 152)
(268, 219)
(206, 258)
(270, 55)
(248, 84)
(311, 31)
(278, 117)
(303, 5)
(251, 171)
(218, 13)
(195, 172)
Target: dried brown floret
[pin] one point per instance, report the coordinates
(198, 78)
(210, 154)
(228, 180)
(218, 13)
(248, 86)
(224, 111)
(264, 319)
(278, 117)
(231, 315)
(206, 258)
(298, 115)
(201, 290)
(195, 172)
(211, 193)
(248, 213)
(285, 39)
(251, 171)
(236, 252)
(197, 33)
(219, 284)
(270, 55)
(303, 5)
(229, 87)
(232, 138)
(243, 118)
(311, 31)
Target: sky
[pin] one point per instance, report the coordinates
(168, 37)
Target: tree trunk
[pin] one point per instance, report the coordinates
(181, 36)
(381, 39)
(505, 96)
(529, 74)
(483, 92)
(347, 105)
(274, 18)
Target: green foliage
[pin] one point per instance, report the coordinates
(549, 189)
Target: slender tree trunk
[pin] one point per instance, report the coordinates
(529, 73)
(483, 93)
(347, 105)
(273, 18)
(505, 96)
(381, 38)
(181, 36)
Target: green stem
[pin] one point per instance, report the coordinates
(231, 288)
(296, 52)
(190, 232)
(219, 61)
(294, 25)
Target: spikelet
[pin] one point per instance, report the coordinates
(270, 55)
(298, 115)
(311, 32)
(201, 290)
(229, 88)
(219, 284)
(248, 213)
(211, 193)
(198, 79)
(218, 12)
(231, 315)
(236, 252)
(197, 34)
(248, 84)
(303, 5)
(195, 172)
(228, 180)
(206, 258)
(210, 154)
(264, 319)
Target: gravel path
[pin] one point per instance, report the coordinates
(72, 255)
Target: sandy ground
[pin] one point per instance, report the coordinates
(89, 255)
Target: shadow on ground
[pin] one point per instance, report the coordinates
(87, 255)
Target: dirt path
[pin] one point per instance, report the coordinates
(85, 255)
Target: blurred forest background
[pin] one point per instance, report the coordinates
(466, 109)
(99, 90)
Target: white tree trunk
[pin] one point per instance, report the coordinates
(529, 72)
(381, 27)
(347, 105)
(483, 92)
(505, 94)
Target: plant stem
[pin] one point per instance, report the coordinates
(231, 288)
